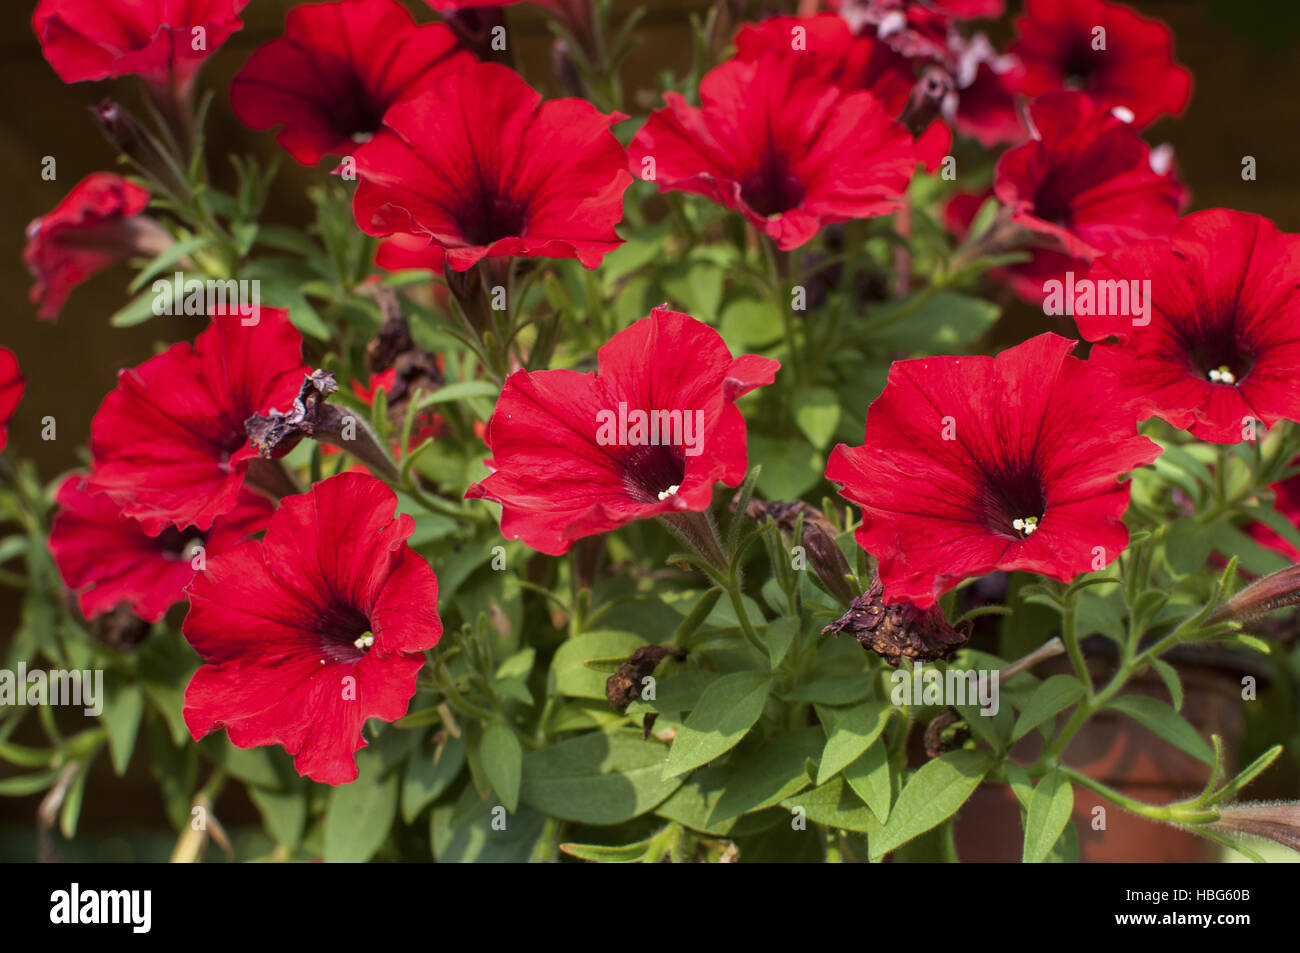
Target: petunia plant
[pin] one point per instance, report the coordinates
(816, 455)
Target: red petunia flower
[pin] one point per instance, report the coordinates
(648, 434)
(317, 627)
(11, 391)
(481, 167)
(1223, 338)
(973, 464)
(96, 225)
(1060, 43)
(778, 143)
(108, 560)
(1086, 179)
(168, 442)
(986, 82)
(336, 71)
(162, 41)
(852, 62)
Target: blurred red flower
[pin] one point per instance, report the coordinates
(96, 225)
(339, 66)
(11, 391)
(1106, 50)
(1086, 179)
(972, 464)
(107, 559)
(314, 629)
(168, 442)
(567, 459)
(782, 145)
(481, 167)
(162, 41)
(1223, 339)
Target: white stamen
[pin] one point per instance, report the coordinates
(365, 641)
(1221, 375)
(664, 494)
(1026, 526)
(1123, 114)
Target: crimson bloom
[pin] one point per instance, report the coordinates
(108, 560)
(168, 442)
(481, 167)
(648, 434)
(332, 76)
(973, 464)
(778, 143)
(96, 225)
(1287, 502)
(1104, 49)
(1223, 339)
(162, 41)
(315, 628)
(11, 391)
(1086, 180)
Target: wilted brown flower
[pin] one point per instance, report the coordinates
(898, 631)
(1275, 820)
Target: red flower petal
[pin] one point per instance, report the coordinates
(168, 442)
(277, 623)
(775, 141)
(1225, 293)
(1135, 70)
(557, 481)
(108, 560)
(481, 167)
(12, 385)
(337, 70)
(959, 448)
(84, 234)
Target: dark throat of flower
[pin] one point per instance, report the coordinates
(651, 474)
(1012, 502)
(490, 216)
(772, 189)
(1217, 354)
(345, 634)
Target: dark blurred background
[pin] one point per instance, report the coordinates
(1244, 55)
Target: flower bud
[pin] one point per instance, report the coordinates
(1277, 821)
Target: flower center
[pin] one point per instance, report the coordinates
(1220, 357)
(1012, 502)
(653, 473)
(179, 544)
(344, 633)
(772, 189)
(490, 217)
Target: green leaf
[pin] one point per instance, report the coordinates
(1255, 558)
(779, 634)
(791, 466)
(1187, 546)
(171, 255)
(1171, 680)
(768, 774)
(502, 758)
(833, 690)
(1165, 722)
(869, 778)
(725, 713)
(835, 805)
(604, 854)
(947, 321)
(284, 813)
(597, 778)
(359, 814)
(931, 796)
(849, 734)
(476, 832)
(123, 708)
(817, 412)
(573, 678)
(750, 324)
(1049, 699)
(426, 779)
(461, 391)
(1049, 811)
